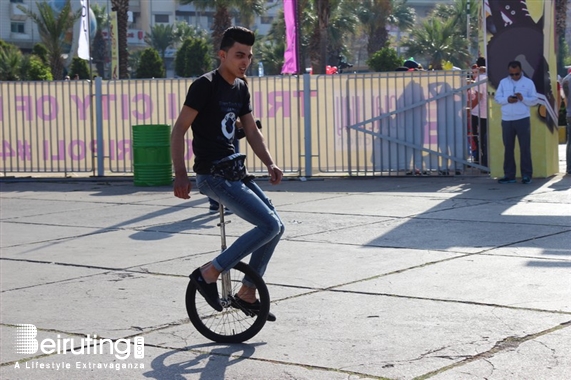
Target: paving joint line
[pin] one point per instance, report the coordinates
(508, 343)
(272, 361)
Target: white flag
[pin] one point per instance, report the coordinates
(83, 47)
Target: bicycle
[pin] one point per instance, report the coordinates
(235, 323)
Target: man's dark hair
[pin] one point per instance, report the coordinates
(237, 34)
(481, 61)
(514, 65)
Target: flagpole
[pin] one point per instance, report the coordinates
(89, 41)
(298, 39)
(91, 83)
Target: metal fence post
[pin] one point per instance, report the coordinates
(307, 123)
(99, 126)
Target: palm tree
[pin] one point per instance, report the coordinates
(374, 16)
(222, 9)
(402, 16)
(52, 27)
(457, 12)
(161, 38)
(318, 41)
(437, 40)
(247, 11)
(183, 31)
(99, 45)
(122, 7)
(11, 61)
(272, 54)
(342, 25)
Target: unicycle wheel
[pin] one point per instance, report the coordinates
(232, 324)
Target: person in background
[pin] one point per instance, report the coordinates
(516, 94)
(566, 84)
(480, 118)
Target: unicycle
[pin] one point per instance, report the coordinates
(234, 324)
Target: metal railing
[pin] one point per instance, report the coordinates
(348, 124)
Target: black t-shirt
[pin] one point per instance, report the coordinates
(219, 104)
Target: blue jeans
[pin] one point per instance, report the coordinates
(522, 130)
(249, 202)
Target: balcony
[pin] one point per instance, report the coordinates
(135, 5)
(16, 13)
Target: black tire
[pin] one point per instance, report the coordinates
(232, 324)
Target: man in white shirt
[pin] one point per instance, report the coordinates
(516, 94)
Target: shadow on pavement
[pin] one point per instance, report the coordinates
(166, 366)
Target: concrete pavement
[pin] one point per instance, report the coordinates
(384, 278)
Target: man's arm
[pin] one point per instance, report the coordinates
(501, 95)
(181, 184)
(256, 141)
(530, 99)
(565, 83)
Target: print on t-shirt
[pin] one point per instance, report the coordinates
(229, 126)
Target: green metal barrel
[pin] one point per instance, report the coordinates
(152, 155)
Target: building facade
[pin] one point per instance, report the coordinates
(18, 29)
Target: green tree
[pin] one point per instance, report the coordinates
(457, 14)
(36, 69)
(52, 27)
(193, 58)
(135, 58)
(342, 24)
(374, 15)
(222, 13)
(402, 16)
(560, 28)
(41, 51)
(247, 10)
(122, 7)
(11, 60)
(319, 36)
(271, 54)
(437, 40)
(183, 30)
(385, 59)
(162, 37)
(151, 65)
(79, 67)
(99, 46)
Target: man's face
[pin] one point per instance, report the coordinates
(514, 73)
(237, 59)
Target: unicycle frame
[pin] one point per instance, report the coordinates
(235, 323)
(225, 276)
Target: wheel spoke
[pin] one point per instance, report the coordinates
(231, 325)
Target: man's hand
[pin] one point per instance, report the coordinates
(181, 186)
(512, 99)
(275, 173)
(519, 96)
